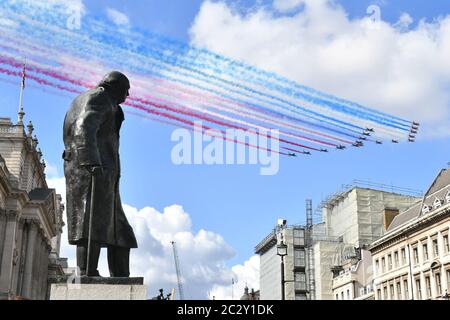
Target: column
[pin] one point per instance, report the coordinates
(42, 266)
(36, 266)
(17, 258)
(44, 282)
(22, 258)
(6, 266)
(2, 233)
(30, 250)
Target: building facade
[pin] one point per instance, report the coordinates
(412, 260)
(354, 279)
(30, 216)
(352, 219)
(296, 285)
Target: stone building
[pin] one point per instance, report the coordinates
(30, 216)
(412, 260)
(353, 279)
(252, 295)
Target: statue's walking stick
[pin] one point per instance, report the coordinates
(91, 211)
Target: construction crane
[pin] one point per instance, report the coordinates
(177, 268)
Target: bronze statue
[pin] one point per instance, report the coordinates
(92, 164)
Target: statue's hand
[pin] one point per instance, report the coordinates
(95, 170)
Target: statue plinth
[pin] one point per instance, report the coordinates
(97, 288)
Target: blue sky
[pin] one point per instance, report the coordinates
(234, 201)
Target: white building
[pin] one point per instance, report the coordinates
(295, 265)
(353, 280)
(412, 260)
(30, 216)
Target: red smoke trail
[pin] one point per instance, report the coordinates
(249, 124)
(144, 101)
(32, 67)
(134, 105)
(38, 80)
(62, 77)
(193, 127)
(209, 119)
(200, 96)
(254, 117)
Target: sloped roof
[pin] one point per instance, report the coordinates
(438, 189)
(406, 216)
(442, 180)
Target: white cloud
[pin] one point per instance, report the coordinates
(404, 22)
(51, 170)
(117, 17)
(286, 5)
(67, 250)
(202, 255)
(390, 67)
(245, 275)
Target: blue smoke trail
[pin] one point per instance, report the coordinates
(175, 60)
(66, 43)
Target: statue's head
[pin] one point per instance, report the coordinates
(117, 85)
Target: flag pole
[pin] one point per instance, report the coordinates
(22, 88)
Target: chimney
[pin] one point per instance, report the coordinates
(388, 216)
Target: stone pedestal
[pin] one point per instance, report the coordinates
(97, 288)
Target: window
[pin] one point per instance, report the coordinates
(337, 296)
(425, 251)
(397, 262)
(300, 281)
(379, 294)
(405, 289)
(419, 290)
(300, 296)
(391, 287)
(299, 258)
(437, 203)
(348, 294)
(385, 293)
(377, 266)
(437, 276)
(399, 291)
(383, 265)
(389, 262)
(448, 281)
(435, 248)
(416, 255)
(425, 209)
(403, 256)
(446, 244)
(447, 196)
(299, 237)
(342, 295)
(428, 285)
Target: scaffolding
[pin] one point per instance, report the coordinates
(333, 199)
(310, 249)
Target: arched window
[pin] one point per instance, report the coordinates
(447, 196)
(437, 203)
(425, 209)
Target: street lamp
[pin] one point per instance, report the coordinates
(282, 251)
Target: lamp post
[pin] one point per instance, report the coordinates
(282, 251)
